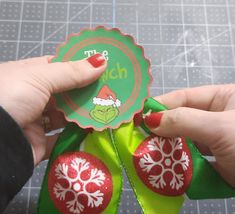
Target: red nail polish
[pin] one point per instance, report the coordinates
(153, 120)
(96, 60)
(138, 119)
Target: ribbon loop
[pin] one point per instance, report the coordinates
(127, 139)
(83, 175)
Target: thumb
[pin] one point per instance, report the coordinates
(198, 125)
(62, 76)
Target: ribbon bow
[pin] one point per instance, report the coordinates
(84, 173)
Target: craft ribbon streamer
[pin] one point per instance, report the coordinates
(85, 171)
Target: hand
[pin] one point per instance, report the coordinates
(207, 116)
(26, 87)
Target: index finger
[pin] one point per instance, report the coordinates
(200, 97)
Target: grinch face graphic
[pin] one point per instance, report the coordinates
(106, 106)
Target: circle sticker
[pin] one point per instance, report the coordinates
(164, 164)
(121, 90)
(79, 183)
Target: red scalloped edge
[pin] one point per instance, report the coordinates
(143, 54)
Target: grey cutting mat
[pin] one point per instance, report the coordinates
(189, 42)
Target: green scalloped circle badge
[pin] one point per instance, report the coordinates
(121, 90)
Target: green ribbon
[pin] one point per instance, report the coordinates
(126, 139)
(115, 149)
(98, 144)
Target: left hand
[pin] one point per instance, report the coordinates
(26, 87)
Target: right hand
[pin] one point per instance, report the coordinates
(207, 116)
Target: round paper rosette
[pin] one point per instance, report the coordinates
(79, 183)
(164, 164)
(121, 90)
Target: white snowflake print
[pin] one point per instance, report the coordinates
(166, 162)
(77, 185)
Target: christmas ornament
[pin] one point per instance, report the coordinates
(84, 173)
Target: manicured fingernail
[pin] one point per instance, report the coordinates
(138, 119)
(153, 120)
(96, 60)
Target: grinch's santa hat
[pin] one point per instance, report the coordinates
(106, 97)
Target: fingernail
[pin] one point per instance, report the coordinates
(138, 119)
(96, 60)
(153, 120)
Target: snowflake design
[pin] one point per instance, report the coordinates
(78, 186)
(167, 162)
